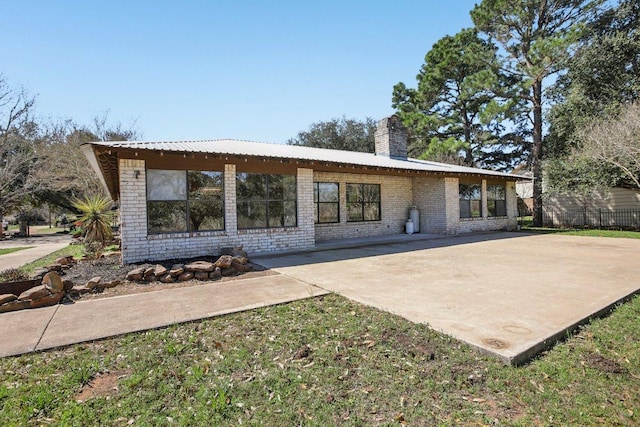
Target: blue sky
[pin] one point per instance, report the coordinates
(253, 70)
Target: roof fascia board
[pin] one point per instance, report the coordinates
(88, 150)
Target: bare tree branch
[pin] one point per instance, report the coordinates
(616, 141)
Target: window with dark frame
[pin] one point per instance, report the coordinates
(266, 200)
(470, 196)
(181, 201)
(326, 197)
(496, 200)
(363, 202)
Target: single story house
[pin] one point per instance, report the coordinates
(189, 198)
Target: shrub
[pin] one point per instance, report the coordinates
(12, 275)
(93, 250)
(96, 219)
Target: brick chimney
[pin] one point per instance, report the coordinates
(391, 138)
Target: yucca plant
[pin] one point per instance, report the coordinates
(96, 219)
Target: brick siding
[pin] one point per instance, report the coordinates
(435, 197)
(138, 246)
(396, 196)
(456, 225)
(391, 138)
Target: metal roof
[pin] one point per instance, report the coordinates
(297, 152)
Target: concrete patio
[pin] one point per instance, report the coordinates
(509, 294)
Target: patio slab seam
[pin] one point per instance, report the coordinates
(44, 330)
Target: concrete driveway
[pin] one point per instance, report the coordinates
(39, 246)
(509, 294)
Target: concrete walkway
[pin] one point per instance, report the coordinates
(39, 246)
(43, 328)
(509, 294)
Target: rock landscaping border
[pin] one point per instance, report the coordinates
(47, 287)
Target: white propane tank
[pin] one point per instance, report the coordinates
(408, 227)
(414, 214)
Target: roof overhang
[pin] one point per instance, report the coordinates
(103, 157)
(105, 164)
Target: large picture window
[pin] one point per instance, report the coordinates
(496, 200)
(326, 197)
(363, 202)
(181, 201)
(470, 200)
(266, 201)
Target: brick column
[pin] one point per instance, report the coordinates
(452, 204)
(133, 210)
(305, 205)
(230, 206)
(512, 200)
(483, 201)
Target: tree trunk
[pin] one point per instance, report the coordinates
(536, 154)
(468, 158)
(24, 228)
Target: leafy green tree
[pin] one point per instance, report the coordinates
(339, 134)
(608, 154)
(461, 105)
(603, 76)
(579, 174)
(536, 38)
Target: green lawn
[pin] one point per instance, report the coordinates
(76, 250)
(38, 229)
(4, 251)
(363, 367)
(586, 232)
(45, 229)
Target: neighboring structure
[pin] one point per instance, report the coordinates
(618, 208)
(183, 199)
(524, 190)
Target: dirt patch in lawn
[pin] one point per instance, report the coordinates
(102, 385)
(110, 268)
(597, 361)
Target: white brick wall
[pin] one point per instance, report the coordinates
(429, 198)
(456, 225)
(396, 199)
(138, 246)
(133, 209)
(435, 197)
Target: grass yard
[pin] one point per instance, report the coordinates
(76, 250)
(324, 361)
(37, 229)
(45, 229)
(585, 232)
(603, 233)
(4, 251)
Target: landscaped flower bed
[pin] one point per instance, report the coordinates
(69, 279)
